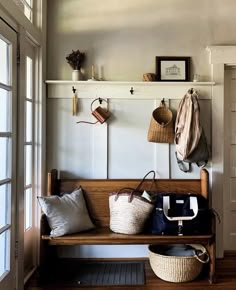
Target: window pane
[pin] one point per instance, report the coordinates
(5, 211)
(22, 5)
(28, 208)
(29, 79)
(29, 122)
(4, 111)
(28, 13)
(4, 73)
(5, 160)
(28, 165)
(30, 2)
(4, 253)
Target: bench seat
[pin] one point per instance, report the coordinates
(104, 236)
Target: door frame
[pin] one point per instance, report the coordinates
(36, 31)
(10, 35)
(219, 57)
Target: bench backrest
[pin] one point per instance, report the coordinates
(97, 190)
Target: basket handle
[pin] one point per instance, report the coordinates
(142, 181)
(124, 188)
(202, 260)
(137, 189)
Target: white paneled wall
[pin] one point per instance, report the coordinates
(130, 155)
(118, 148)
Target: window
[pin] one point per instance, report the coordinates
(5, 156)
(8, 117)
(26, 6)
(28, 143)
(30, 157)
(20, 105)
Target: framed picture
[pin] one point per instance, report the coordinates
(173, 68)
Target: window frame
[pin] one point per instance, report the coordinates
(36, 32)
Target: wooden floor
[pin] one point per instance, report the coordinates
(225, 275)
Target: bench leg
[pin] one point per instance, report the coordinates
(211, 251)
(48, 257)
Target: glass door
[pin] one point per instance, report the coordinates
(8, 102)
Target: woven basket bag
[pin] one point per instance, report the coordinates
(129, 211)
(177, 268)
(161, 128)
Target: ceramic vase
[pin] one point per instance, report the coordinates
(76, 75)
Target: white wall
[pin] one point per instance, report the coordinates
(122, 39)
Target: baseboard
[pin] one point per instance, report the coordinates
(230, 253)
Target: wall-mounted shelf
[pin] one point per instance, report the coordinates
(66, 82)
(127, 89)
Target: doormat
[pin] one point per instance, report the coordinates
(110, 273)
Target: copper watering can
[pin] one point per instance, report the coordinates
(99, 113)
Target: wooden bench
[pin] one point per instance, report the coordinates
(96, 195)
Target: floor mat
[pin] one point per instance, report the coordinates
(110, 273)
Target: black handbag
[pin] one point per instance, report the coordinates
(180, 214)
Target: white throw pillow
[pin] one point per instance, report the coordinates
(67, 214)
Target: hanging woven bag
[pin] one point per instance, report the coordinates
(161, 128)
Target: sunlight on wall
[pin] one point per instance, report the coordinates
(88, 15)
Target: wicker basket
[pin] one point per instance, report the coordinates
(129, 210)
(129, 217)
(177, 268)
(161, 128)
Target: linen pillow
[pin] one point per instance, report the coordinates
(67, 214)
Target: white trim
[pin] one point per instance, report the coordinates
(29, 274)
(6, 134)
(5, 181)
(5, 87)
(4, 229)
(27, 4)
(219, 57)
(11, 14)
(16, 16)
(222, 54)
(20, 201)
(30, 143)
(41, 115)
(122, 90)
(28, 186)
(11, 37)
(128, 83)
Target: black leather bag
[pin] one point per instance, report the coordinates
(180, 214)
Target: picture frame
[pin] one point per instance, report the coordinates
(173, 68)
